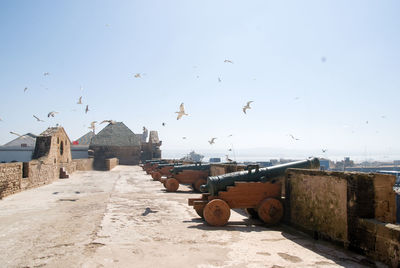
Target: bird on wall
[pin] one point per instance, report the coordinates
(16, 134)
(112, 122)
(181, 112)
(229, 61)
(80, 100)
(247, 106)
(212, 141)
(52, 114)
(87, 109)
(296, 139)
(37, 118)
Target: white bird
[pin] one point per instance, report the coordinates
(230, 149)
(228, 61)
(81, 87)
(37, 118)
(163, 124)
(212, 141)
(46, 73)
(138, 75)
(324, 150)
(293, 137)
(181, 112)
(25, 89)
(219, 80)
(80, 100)
(112, 122)
(184, 138)
(247, 106)
(16, 134)
(230, 135)
(52, 114)
(93, 125)
(87, 109)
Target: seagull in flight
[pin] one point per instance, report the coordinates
(212, 141)
(163, 124)
(181, 112)
(25, 89)
(80, 100)
(230, 149)
(184, 138)
(16, 134)
(324, 150)
(46, 73)
(52, 114)
(112, 122)
(93, 125)
(219, 79)
(138, 75)
(228, 159)
(230, 135)
(296, 139)
(228, 61)
(37, 118)
(247, 106)
(87, 109)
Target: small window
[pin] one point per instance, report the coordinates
(23, 145)
(58, 140)
(61, 148)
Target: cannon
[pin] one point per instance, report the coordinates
(257, 190)
(196, 174)
(151, 165)
(164, 170)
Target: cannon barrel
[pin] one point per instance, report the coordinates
(219, 183)
(197, 166)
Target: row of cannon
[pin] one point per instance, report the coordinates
(228, 186)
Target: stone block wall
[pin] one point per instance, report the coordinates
(111, 163)
(317, 204)
(353, 209)
(84, 164)
(10, 178)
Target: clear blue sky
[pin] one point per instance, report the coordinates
(276, 48)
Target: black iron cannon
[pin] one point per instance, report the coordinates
(219, 183)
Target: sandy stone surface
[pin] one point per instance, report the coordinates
(124, 219)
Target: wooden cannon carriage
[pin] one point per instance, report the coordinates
(258, 191)
(196, 175)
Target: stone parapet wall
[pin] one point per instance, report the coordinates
(355, 210)
(39, 173)
(84, 164)
(10, 178)
(111, 163)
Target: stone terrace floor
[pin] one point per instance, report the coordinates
(122, 218)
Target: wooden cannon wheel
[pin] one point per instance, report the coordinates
(171, 185)
(217, 212)
(200, 211)
(156, 176)
(270, 211)
(198, 183)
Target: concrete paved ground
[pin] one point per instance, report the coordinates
(124, 219)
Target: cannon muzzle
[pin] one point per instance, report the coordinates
(254, 174)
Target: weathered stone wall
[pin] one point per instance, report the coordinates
(10, 178)
(39, 173)
(317, 203)
(111, 163)
(353, 209)
(128, 155)
(84, 164)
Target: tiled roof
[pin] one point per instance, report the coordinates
(117, 134)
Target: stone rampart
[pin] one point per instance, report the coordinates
(356, 210)
(10, 178)
(111, 163)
